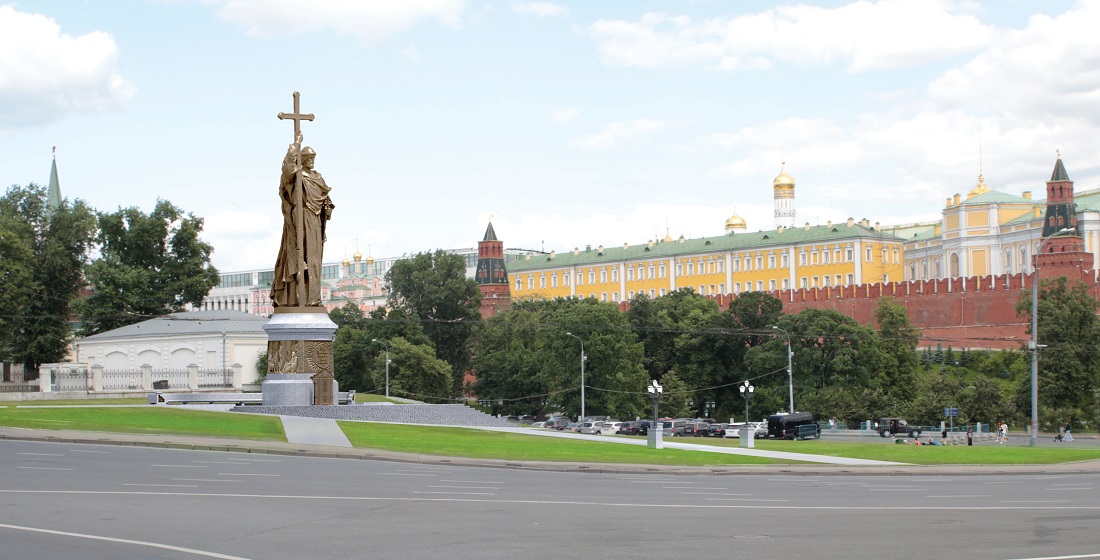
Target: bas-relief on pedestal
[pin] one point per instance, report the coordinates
(299, 357)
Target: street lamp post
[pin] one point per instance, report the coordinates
(655, 435)
(1034, 344)
(747, 433)
(584, 358)
(790, 368)
(383, 343)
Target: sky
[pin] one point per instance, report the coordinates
(566, 123)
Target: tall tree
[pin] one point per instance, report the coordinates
(1069, 366)
(415, 372)
(897, 340)
(434, 289)
(354, 352)
(525, 359)
(149, 265)
(42, 254)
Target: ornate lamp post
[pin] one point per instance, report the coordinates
(655, 435)
(748, 433)
(584, 358)
(383, 343)
(708, 409)
(1034, 344)
(790, 368)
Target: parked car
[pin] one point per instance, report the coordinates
(589, 428)
(696, 429)
(558, 422)
(671, 428)
(758, 429)
(889, 427)
(572, 427)
(609, 428)
(717, 430)
(800, 425)
(538, 425)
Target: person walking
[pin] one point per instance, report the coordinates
(1002, 433)
(1067, 436)
(943, 436)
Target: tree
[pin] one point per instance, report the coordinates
(42, 255)
(1069, 364)
(525, 359)
(897, 341)
(433, 288)
(354, 352)
(415, 372)
(149, 265)
(829, 348)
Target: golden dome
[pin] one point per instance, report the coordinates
(736, 222)
(370, 259)
(346, 262)
(783, 181)
(981, 188)
(357, 256)
(668, 237)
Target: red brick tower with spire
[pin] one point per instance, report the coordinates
(1062, 252)
(491, 276)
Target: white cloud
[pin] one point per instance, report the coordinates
(565, 115)
(369, 21)
(864, 35)
(412, 53)
(540, 9)
(617, 132)
(46, 74)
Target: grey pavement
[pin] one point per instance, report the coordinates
(314, 431)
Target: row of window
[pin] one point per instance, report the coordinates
(936, 270)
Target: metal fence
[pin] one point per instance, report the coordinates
(71, 379)
(20, 388)
(215, 378)
(120, 380)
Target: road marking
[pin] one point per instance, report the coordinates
(164, 485)
(42, 454)
(125, 541)
(459, 493)
(203, 480)
(406, 474)
(244, 474)
(472, 481)
(46, 468)
(1034, 501)
(1002, 482)
(697, 488)
(236, 496)
(898, 489)
(743, 500)
(658, 482)
(963, 496)
(237, 463)
(1063, 557)
(468, 487)
(181, 466)
(711, 494)
(88, 451)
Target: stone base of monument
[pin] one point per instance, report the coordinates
(299, 358)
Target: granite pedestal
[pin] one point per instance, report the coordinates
(299, 358)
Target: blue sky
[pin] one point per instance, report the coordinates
(571, 123)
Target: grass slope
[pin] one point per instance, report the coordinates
(141, 420)
(462, 442)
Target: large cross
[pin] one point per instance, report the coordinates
(297, 117)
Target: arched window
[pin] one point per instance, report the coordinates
(937, 270)
(954, 265)
(1024, 261)
(1008, 261)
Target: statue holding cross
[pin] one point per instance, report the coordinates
(306, 208)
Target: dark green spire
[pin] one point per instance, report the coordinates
(1059, 171)
(53, 195)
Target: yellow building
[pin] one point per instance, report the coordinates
(988, 233)
(802, 257)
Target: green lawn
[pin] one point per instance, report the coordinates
(141, 420)
(465, 442)
(75, 402)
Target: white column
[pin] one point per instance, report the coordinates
(192, 377)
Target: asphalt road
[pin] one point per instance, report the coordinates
(62, 501)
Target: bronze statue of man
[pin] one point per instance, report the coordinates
(306, 209)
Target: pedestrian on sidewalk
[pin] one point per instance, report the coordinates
(943, 435)
(1067, 436)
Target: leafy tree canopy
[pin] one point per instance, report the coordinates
(149, 265)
